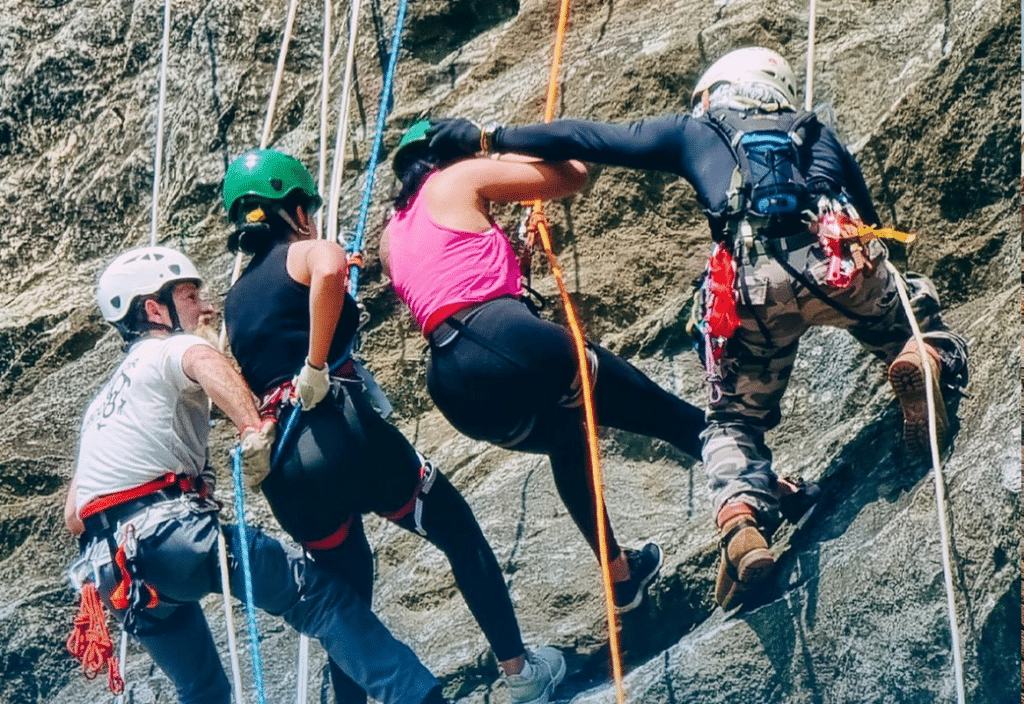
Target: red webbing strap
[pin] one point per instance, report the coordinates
(90, 642)
(331, 541)
(119, 597)
(110, 500)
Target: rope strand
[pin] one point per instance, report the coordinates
(584, 372)
(325, 88)
(940, 488)
(357, 240)
(161, 101)
(250, 607)
(341, 136)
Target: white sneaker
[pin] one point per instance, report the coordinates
(545, 668)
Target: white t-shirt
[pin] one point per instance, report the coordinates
(149, 419)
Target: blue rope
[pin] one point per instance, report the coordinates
(250, 607)
(382, 112)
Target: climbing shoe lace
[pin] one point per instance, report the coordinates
(644, 565)
(906, 375)
(746, 560)
(544, 669)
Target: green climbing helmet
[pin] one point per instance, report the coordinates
(269, 175)
(414, 136)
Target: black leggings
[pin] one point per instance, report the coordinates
(343, 460)
(503, 378)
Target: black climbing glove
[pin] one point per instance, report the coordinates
(453, 137)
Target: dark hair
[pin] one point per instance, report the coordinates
(136, 323)
(412, 171)
(259, 225)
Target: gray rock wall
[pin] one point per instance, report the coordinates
(924, 90)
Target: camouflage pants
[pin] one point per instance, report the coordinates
(758, 359)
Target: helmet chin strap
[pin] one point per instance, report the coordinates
(283, 214)
(166, 297)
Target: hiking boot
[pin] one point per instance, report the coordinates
(644, 565)
(797, 498)
(906, 375)
(544, 669)
(746, 559)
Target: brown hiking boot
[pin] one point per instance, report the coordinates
(906, 375)
(746, 559)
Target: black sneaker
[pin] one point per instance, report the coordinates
(644, 565)
(801, 501)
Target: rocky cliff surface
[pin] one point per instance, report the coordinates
(925, 92)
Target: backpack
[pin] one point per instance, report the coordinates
(767, 184)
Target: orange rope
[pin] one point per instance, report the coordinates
(540, 221)
(90, 641)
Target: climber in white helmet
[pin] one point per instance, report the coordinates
(141, 500)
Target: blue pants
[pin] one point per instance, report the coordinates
(179, 559)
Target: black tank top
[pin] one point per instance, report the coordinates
(267, 317)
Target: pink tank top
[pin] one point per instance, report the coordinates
(438, 271)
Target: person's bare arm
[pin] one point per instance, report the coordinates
(71, 519)
(225, 386)
(458, 197)
(323, 266)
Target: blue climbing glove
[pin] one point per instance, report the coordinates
(453, 137)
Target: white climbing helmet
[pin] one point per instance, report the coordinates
(140, 272)
(753, 64)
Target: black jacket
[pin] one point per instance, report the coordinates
(689, 147)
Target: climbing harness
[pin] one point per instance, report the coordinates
(428, 474)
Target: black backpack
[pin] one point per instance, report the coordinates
(767, 183)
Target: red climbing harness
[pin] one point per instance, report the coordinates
(90, 642)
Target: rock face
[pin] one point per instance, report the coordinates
(925, 92)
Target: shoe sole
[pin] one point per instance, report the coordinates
(753, 569)
(545, 696)
(906, 376)
(642, 590)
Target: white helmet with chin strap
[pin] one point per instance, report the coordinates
(751, 65)
(141, 272)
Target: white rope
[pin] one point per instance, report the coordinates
(301, 695)
(940, 487)
(325, 87)
(161, 100)
(342, 130)
(278, 73)
(809, 83)
(225, 592)
(236, 270)
(122, 657)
